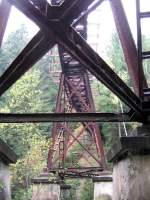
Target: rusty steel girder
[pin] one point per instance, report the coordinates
(91, 60)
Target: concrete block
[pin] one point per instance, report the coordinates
(131, 171)
(7, 156)
(129, 145)
(131, 178)
(44, 189)
(46, 192)
(103, 188)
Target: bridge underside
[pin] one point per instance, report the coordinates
(77, 58)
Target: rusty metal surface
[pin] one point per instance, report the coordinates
(128, 44)
(68, 117)
(76, 58)
(76, 96)
(82, 52)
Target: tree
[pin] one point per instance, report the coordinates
(29, 141)
(15, 42)
(87, 191)
(28, 167)
(146, 62)
(106, 101)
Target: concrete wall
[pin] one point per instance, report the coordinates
(132, 178)
(5, 193)
(103, 190)
(46, 192)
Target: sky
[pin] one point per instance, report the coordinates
(102, 17)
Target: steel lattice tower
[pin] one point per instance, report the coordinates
(75, 95)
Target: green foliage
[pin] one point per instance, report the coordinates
(1, 185)
(116, 59)
(87, 190)
(23, 97)
(29, 167)
(73, 158)
(16, 41)
(27, 95)
(75, 186)
(107, 101)
(146, 63)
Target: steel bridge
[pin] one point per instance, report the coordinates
(65, 23)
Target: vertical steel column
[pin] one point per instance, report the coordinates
(139, 44)
(54, 129)
(128, 45)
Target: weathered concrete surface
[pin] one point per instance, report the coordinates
(7, 156)
(5, 192)
(46, 192)
(131, 172)
(103, 188)
(44, 189)
(131, 177)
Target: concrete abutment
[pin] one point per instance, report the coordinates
(131, 166)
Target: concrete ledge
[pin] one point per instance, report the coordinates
(7, 155)
(44, 178)
(139, 144)
(41, 181)
(44, 181)
(102, 179)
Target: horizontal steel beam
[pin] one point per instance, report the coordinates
(35, 49)
(64, 117)
(145, 14)
(77, 168)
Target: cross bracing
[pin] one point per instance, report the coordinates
(57, 17)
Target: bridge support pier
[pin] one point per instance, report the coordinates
(44, 189)
(7, 156)
(131, 171)
(103, 187)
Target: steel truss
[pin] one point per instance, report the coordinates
(64, 138)
(75, 95)
(74, 44)
(74, 83)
